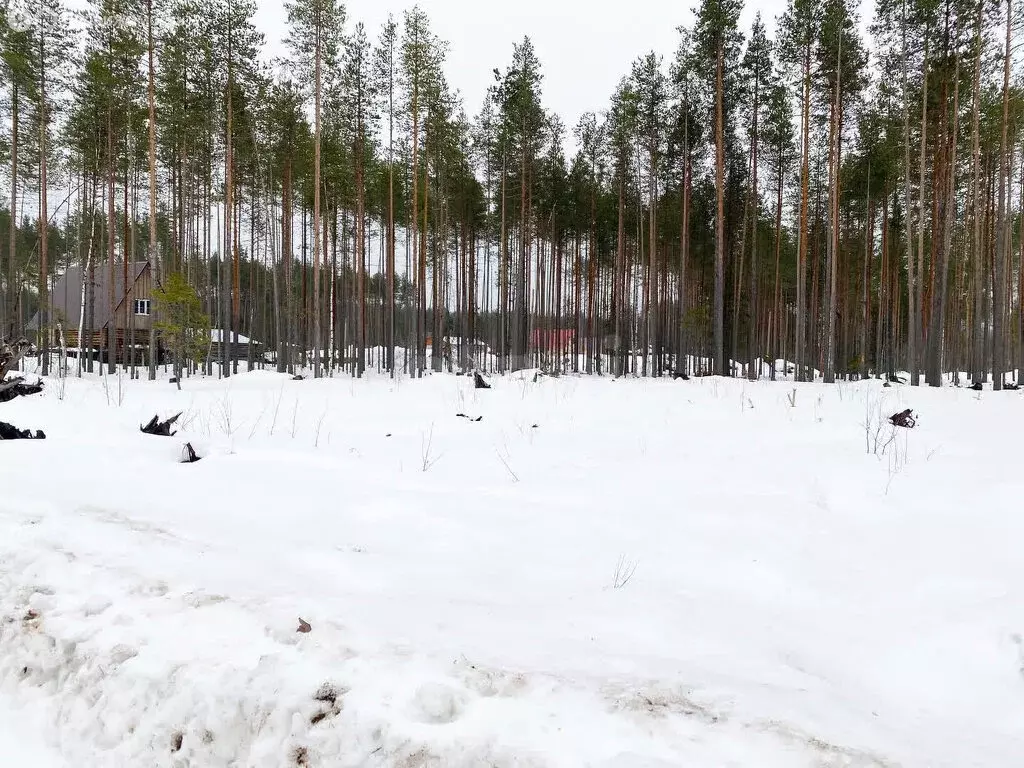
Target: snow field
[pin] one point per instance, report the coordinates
(22, 741)
(613, 573)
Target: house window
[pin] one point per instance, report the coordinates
(142, 306)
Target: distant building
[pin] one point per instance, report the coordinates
(552, 339)
(130, 317)
(238, 348)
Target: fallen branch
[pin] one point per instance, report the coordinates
(189, 455)
(160, 428)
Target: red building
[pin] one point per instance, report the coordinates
(552, 339)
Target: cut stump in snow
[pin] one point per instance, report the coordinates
(160, 428)
(304, 626)
(10, 432)
(478, 381)
(904, 419)
(189, 455)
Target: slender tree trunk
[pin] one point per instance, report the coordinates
(800, 331)
(391, 229)
(154, 257)
(317, 373)
(44, 221)
(911, 293)
(978, 374)
(417, 256)
(227, 245)
(832, 252)
(754, 365)
(940, 281)
(10, 324)
(869, 242)
(111, 241)
(916, 327)
(719, 366)
(883, 289)
(287, 346)
(999, 276)
(777, 325)
(503, 275)
(88, 298)
(651, 290)
(618, 293)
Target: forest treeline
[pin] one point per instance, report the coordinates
(848, 204)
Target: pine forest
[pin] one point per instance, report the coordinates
(840, 198)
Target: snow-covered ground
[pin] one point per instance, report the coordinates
(23, 742)
(598, 572)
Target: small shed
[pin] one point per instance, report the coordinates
(238, 347)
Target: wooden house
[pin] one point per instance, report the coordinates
(129, 314)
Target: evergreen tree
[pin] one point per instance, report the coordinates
(51, 49)
(719, 39)
(314, 36)
(16, 55)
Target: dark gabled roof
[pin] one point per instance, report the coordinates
(66, 296)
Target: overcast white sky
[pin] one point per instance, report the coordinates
(585, 46)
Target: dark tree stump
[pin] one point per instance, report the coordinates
(10, 432)
(189, 455)
(160, 428)
(977, 386)
(478, 381)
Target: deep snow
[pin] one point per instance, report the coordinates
(22, 742)
(799, 590)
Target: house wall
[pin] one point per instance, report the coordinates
(142, 289)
